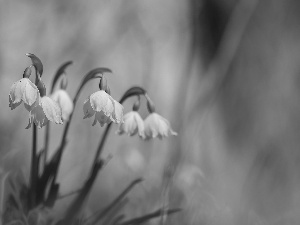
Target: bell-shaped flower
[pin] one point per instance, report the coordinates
(23, 91)
(133, 123)
(157, 126)
(64, 101)
(102, 105)
(43, 110)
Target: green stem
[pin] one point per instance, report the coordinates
(98, 163)
(101, 144)
(34, 168)
(47, 133)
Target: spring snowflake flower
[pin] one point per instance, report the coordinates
(157, 126)
(64, 101)
(43, 110)
(133, 123)
(23, 91)
(104, 107)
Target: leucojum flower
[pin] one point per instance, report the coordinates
(103, 106)
(153, 126)
(64, 100)
(23, 91)
(156, 125)
(133, 122)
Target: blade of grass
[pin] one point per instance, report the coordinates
(145, 218)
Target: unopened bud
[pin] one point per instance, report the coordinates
(27, 72)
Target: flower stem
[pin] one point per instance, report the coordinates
(55, 161)
(47, 133)
(34, 168)
(145, 218)
(101, 144)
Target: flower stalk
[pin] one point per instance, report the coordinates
(51, 169)
(34, 158)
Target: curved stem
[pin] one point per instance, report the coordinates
(47, 134)
(134, 91)
(57, 157)
(101, 144)
(98, 163)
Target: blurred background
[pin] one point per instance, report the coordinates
(225, 73)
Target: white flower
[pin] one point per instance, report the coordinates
(43, 110)
(133, 123)
(104, 107)
(64, 101)
(157, 126)
(23, 90)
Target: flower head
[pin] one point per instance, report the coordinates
(64, 101)
(104, 107)
(133, 123)
(157, 126)
(44, 110)
(23, 91)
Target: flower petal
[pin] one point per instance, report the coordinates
(140, 125)
(23, 90)
(157, 126)
(101, 101)
(64, 101)
(51, 110)
(87, 109)
(30, 92)
(133, 123)
(37, 116)
(101, 118)
(13, 105)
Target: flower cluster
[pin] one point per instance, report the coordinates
(58, 107)
(153, 126)
(41, 107)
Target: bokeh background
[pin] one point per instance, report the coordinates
(224, 72)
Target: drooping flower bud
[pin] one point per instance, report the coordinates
(27, 72)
